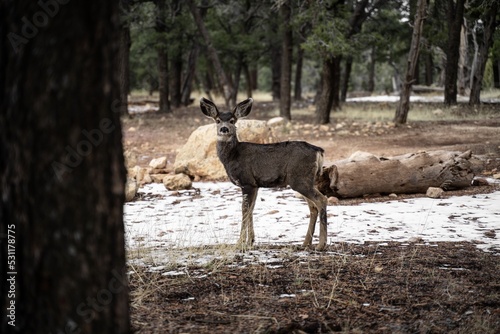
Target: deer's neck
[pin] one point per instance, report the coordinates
(226, 148)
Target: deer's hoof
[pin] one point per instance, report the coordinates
(320, 247)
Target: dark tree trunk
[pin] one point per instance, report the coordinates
(125, 44)
(345, 79)
(212, 53)
(455, 19)
(286, 62)
(249, 79)
(176, 79)
(429, 68)
(276, 71)
(190, 75)
(404, 100)
(237, 75)
(371, 71)
(489, 25)
(62, 172)
(336, 82)
(164, 104)
(496, 73)
(326, 98)
(298, 74)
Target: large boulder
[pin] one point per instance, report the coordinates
(198, 157)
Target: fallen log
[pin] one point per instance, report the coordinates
(364, 173)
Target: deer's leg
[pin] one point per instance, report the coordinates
(323, 227)
(312, 223)
(247, 235)
(315, 197)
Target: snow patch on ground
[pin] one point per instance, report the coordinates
(210, 215)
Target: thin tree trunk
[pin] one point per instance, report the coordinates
(429, 68)
(404, 101)
(190, 75)
(371, 70)
(212, 53)
(345, 79)
(489, 25)
(455, 19)
(462, 60)
(336, 82)
(62, 173)
(276, 72)
(237, 75)
(164, 104)
(249, 79)
(286, 62)
(125, 43)
(298, 74)
(176, 79)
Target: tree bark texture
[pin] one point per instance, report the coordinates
(404, 100)
(212, 53)
(365, 174)
(125, 44)
(164, 103)
(286, 62)
(297, 89)
(329, 95)
(490, 23)
(190, 75)
(455, 20)
(62, 171)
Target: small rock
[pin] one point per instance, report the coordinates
(496, 176)
(158, 163)
(177, 182)
(393, 195)
(324, 127)
(131, 188)
(438, 112)
(332, 200)
(434, 192)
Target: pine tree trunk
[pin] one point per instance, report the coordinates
(190, 75)
(345, 79)
(371, 71)
(489, 25)
(164, 104)
(62, 173)
(286, 62)
(462, 60)
(297, 94)
(224, 82)
(176, 79)
(125, 43)
(276, 72)
(455, 19)
(404, 101)
(325, 99)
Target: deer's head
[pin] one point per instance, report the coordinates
(226, 121)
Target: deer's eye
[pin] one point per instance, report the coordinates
(217, 121)
(231, 121)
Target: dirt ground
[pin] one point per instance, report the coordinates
(391, 288)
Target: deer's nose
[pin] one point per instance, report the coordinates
(224, 129)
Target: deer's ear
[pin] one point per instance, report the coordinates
(243, 108)
(208, 108)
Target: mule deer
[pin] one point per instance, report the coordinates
(251, 166)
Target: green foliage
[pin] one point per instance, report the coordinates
(329, 29)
